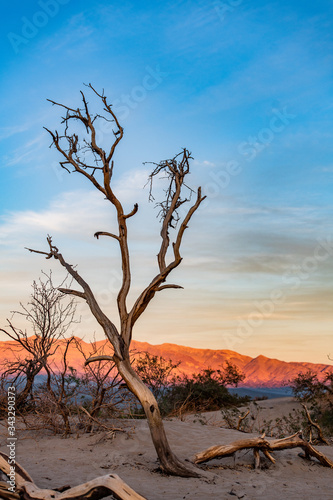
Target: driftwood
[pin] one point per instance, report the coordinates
(265, 446)
(26, 489)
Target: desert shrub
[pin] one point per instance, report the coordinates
(307, 387)
(176, 395)
(56, 403)
(326, 419)
(156, 372)
(205, 391)
(319, 394)
(235, 419)
(290, 424)
(201, 395)
(247, 420)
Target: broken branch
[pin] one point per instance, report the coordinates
(69, 291)
(105, 233)
(102, 357)
(163, 287)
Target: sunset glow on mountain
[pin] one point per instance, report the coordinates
(259, 371)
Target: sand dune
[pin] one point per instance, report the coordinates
(53, 461)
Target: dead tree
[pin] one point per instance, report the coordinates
(87, 157)
(101, 381)
(57, 396)
(49, 318)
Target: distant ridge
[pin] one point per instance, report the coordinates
(259, 372)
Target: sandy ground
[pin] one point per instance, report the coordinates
(53, 461)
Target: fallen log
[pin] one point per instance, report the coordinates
(26, 489)
(5, 494)
(265, 446)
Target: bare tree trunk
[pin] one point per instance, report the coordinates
(22, 397)
(77, 154)
(32, 370)
(58, 400)
(168, 460)
(96, 405)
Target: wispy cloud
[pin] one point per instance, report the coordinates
(80, 212)
(225, 79)
(77, 30)
(328, 169)
(25, 153)
(6, 132)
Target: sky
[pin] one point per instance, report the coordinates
(247, 87)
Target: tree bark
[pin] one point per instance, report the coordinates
(170, 464)
(22, 397)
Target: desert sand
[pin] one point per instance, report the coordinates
(53, 461)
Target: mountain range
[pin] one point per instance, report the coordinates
(259, 371)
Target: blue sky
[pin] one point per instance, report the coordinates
(247, 87)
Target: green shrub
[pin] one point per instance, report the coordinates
(308, 388)
(205, 391)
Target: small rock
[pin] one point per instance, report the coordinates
(237, 491)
